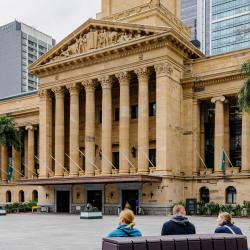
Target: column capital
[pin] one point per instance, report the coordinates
(43, 93)
(89, 85)
(164, 69)
(106, 82)
(59, 91)
(29, 127)
(123, 76)
(73, 88)
(142, 73)
(218, 98)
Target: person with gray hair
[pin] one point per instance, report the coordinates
(178, 224)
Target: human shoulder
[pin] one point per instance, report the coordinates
(116, 233)
(221, 229)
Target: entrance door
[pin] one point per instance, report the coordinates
(62, 201)
(131, 197)
(94, 197)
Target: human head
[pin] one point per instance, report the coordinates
(127, 217)
(224, 217)
(179, 210)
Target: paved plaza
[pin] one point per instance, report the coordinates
(56, 232)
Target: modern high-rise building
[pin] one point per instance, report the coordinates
(196, 15)
(230, 25)
(220, 26)
(20, 45)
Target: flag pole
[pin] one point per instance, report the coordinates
(148, 159)
(129, 162)
(228, 158)
(59, 164)
(50, 170)
(74, 162)
(108, 161)
(88, 160)
(201, 158)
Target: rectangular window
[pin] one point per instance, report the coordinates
(116, 159)
(117, 114)
(152, 109)
(134, 111)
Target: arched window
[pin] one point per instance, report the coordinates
(21, 196)
(204, 195)
(8, 196)
(35, 195)
(230, 195)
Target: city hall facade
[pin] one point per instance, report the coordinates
(129, 111)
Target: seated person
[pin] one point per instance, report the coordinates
(226, 225)
(126, 225)
(178, 224)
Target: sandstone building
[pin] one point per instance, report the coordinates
(128, 110)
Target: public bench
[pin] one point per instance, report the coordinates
(179, 242)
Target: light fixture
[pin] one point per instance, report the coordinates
(47, 195)
(77, 195)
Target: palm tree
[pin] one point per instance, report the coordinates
(9, 135)
(244, 93)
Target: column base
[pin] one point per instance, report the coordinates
(58, 176)
(143, 172)
(245, 171)
(123, 173)
(218, 173)
(106, 174)
(73, 174)
(163, 172)
(89, 174)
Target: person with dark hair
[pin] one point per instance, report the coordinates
(226, 225)
(178, 224)
(126, 225)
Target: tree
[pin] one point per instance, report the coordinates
(9, 135)
(244, 93)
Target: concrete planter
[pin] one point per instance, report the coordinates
(91, 215)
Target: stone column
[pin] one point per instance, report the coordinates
(106, 83)
(163, 119)
(45, 136)
(59, 131)
(31, 152)
(124, 123)
(74, 129)
(143, 120)
(89, 86)
(219, 132)
(245, 154)
(16, 162)
(4, 162)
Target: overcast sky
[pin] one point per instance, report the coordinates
(57, 18)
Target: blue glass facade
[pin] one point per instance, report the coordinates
(230, 29)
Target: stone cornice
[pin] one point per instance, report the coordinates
(212, 79)
(170, 38)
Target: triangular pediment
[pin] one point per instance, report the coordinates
(95, 35)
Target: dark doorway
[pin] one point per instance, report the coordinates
(94, 197)
(130, 197)
(62, 201)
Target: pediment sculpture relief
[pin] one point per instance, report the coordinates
(96, 39)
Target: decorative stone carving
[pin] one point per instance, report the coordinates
(43, 93)
(164, 68)
(142, 73)
(106, 82)
(122, 76)
(73, 88)
(89, 85)
(96, 39)
(218, 98)
(59, 91)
